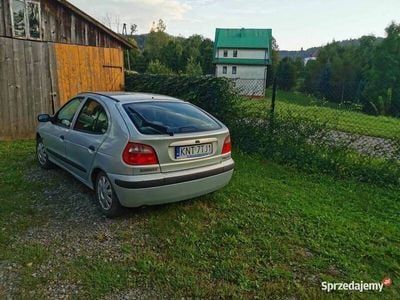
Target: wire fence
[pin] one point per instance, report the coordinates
(249, 87)
(346, 115)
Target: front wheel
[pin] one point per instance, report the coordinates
(41, 155)
(105, 195)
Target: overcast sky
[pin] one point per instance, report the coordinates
(294, 23)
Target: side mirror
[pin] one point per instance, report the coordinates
(44, 118)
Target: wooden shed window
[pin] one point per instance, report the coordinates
(26, 19)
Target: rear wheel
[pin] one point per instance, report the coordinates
(41, 155)
(105, 195)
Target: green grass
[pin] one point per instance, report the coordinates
(273, 232)
(16, 213)
(335, 116)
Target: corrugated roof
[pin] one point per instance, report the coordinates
(243, 38)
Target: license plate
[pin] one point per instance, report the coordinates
(193, 151)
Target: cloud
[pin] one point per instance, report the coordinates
(140, 12)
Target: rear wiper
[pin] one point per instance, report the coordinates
(159, 127)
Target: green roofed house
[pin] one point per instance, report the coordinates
(243, 55)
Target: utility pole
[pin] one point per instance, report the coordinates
(125, 33)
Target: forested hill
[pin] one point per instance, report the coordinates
(298, 53)
(311, 51)
(140, 39)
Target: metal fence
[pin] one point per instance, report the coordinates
(349, 120)
(250, 87)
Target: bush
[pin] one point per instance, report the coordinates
(215, 95)
(308, 144)
(156, 67)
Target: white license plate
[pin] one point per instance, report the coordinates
(193, 151)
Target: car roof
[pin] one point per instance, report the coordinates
(132, 97)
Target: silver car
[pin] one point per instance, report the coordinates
(136, 149)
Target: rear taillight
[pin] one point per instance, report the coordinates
(227, 145)
(139, 154)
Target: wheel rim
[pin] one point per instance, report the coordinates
(104, 192)
(41, 153)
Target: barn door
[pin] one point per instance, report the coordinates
(87, 68)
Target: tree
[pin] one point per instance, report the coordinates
(339, 73)
(206, 56)
(133, 28)
(156, 67)
(155, 41)
(193, 68)
(161, 26)
(171, 55)
(137, 61)
(286, 74)
(382, 88)
(112, 22)
(274, 57)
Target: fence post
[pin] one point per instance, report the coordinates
(273, 96)
(272, 111)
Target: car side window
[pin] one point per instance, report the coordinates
(66, 114)
(92, 118)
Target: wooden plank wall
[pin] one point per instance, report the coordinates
(85, 68)
(61, 25)
(25, 86)
(5, 18)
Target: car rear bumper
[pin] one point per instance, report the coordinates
(134, 191)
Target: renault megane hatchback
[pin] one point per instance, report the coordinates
(136, 149)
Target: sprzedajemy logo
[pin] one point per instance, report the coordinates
(356, 286)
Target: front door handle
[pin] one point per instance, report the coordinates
(92, 148)
(62, 137)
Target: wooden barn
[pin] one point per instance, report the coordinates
(50, 51)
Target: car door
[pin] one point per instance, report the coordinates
(87, 135)
(55, 134)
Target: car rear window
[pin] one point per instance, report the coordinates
(159, 117)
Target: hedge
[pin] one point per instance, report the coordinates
(215, 95)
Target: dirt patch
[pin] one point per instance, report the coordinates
(75, 229)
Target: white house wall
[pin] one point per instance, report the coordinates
(249, 80)
(242, 71)
(244, 53)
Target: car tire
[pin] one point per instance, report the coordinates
(106, 197)
(41, 155)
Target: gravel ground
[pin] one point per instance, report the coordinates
(75, 228)
(369, 145)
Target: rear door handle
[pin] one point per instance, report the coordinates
(92, 148)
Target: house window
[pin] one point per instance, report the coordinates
(225, 53)
(224, 70)
(234, 69)
(26, 19)
(235, 53)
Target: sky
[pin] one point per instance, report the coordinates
(294, 24)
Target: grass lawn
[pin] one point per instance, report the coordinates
(336, 117)
(274, 231)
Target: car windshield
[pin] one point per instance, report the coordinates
(161, 117)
